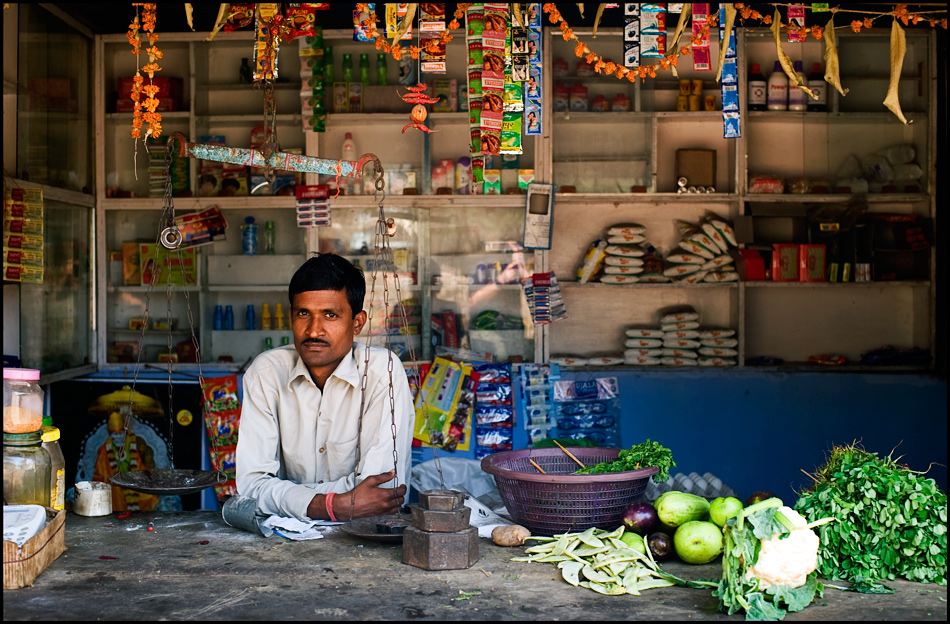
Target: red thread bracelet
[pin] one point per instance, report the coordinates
(328, 499)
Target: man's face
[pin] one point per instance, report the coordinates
(324, 328)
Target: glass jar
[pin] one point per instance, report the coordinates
(26, 469)
(22, 400)
(57, 482)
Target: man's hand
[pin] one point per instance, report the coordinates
(371, 499)
(365, 500)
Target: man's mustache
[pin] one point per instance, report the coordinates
(315, 341)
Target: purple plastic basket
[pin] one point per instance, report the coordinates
(559, 501)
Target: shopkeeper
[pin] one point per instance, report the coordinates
(298, 453)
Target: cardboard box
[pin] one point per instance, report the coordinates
(812, 263)
(169, 94)
(131, 266)
(171, 268)
(22, 564)
(698, 166)
(785, 262)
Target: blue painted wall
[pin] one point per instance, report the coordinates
(759, 430)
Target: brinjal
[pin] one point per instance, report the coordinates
(660, 545)
(641, 518)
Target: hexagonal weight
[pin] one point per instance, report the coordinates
(440, 521)
(441, 500)
(440, 551)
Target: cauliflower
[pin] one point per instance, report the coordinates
(787, 561)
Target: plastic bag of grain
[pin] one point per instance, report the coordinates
(678, 313)
(591, 262)
(625, 229)
(623, 261)
(643, 343)
(619, 279)
(718, 351)
(646, 332)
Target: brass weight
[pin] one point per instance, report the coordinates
(440, 537)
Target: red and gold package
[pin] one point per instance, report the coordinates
(239, 16)
(222, 416)
(299, 19)
(494, 35)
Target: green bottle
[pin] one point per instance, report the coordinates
(381, 68)
(364, 69)
(328, 64)
(347, 68)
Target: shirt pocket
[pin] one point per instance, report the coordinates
(341, 458)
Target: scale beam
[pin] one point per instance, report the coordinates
(282, 161)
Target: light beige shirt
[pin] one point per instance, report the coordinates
(295, 441)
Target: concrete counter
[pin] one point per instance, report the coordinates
(193, 566)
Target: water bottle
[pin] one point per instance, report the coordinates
(228, 318)
(218, 318)
(328, 65)
(249, 236)
(249, 318)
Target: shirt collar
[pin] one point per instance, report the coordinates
(347, 370)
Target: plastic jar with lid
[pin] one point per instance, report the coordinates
(57, 482)
(26, 469)
(22, 400)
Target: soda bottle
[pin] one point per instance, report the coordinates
(381, 78)
(347, 68)
(364, 69)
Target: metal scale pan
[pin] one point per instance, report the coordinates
(171, 482)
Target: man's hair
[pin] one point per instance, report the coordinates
(328, 271)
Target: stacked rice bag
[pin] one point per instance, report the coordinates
(680, 340)
(704, 252)
(622, 256)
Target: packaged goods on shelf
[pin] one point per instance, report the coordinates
(537, 383)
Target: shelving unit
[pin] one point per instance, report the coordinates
(441, 239)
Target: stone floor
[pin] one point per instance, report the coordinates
(193, 566)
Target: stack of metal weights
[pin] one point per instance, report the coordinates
(440, 537)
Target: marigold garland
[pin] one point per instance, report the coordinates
(396, 50)
(145, 111)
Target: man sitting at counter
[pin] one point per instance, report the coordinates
(302, 438)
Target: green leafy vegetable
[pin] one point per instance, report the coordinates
(638, 456)
(893, 521)
(865, 586)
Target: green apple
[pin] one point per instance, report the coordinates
(723, 508)
(634, 541)
(698, 541)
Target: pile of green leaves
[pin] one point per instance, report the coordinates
(741, 545)
(893, 521)
(638, 456)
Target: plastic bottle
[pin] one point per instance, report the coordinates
(285, 340)
(218, 318)
(280, 322)
(269, 238)
(816, 82)
(381, 78)
(249, 320)
(228, 318)
(347, 75)
(268, 343)
(777, 97)
(758, 88)
(900, 154)
(245, 71)
(266, 320)
(57, 482)
(796, 97)
(364, 69)
(249, 237)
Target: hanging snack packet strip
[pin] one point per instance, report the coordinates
(493, 76)
(729, 81)
(631, 35)
(431, 27)
(532, 88)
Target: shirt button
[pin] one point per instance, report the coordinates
(320, 481)
(321, 449)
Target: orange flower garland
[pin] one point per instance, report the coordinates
(395, 50)
(145, 111)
